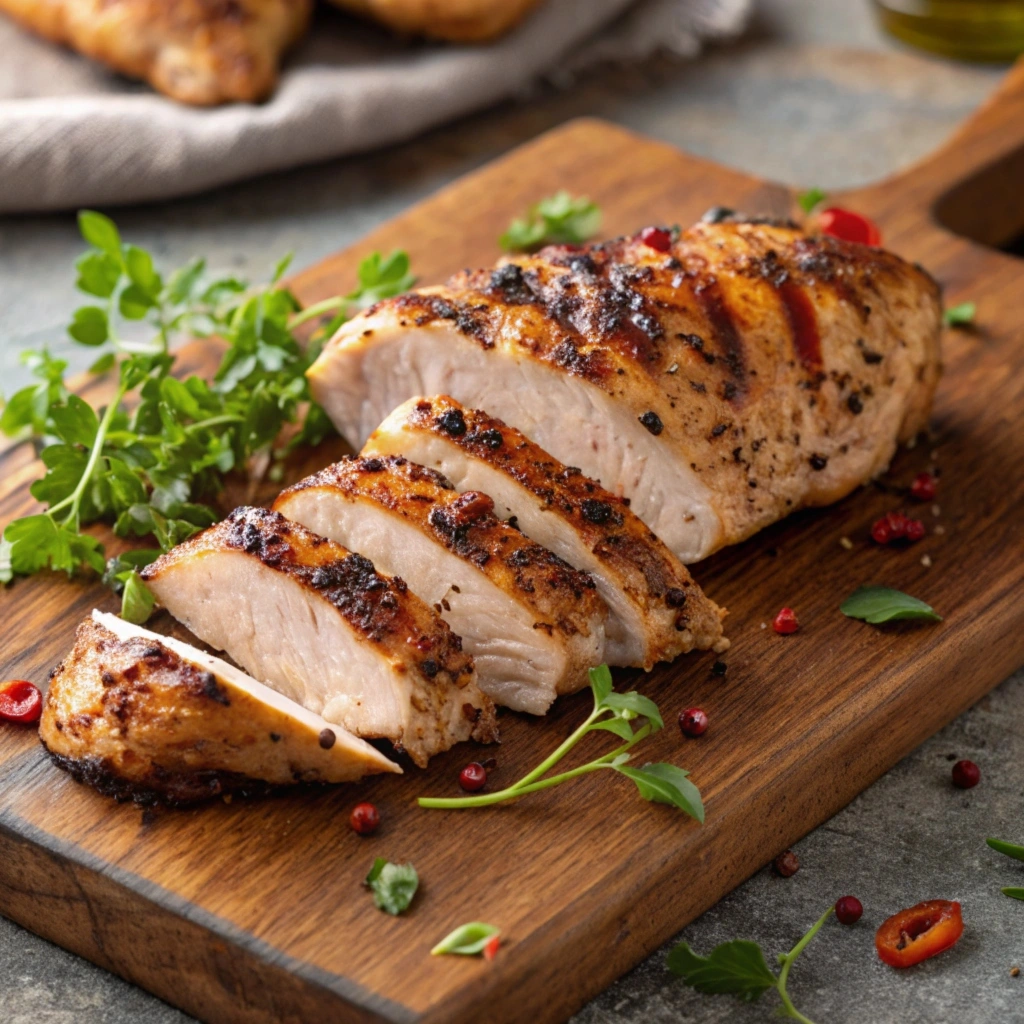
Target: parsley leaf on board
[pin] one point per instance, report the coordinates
(613, 712)
(739, 968)
(557, 219)
(153, 461)
(883, 604)
(466, 940)
(1017, 853)
(811, 199)
(961, 315)
(393, 885)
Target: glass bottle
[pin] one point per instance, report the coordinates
(979, 30)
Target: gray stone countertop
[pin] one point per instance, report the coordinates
(814, 95)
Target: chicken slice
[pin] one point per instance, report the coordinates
(656, 609)
(323, 627)
(149, 718)
(195, 51)
(533, 624)
(747, 371)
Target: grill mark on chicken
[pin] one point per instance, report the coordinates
(803, 324)
(733, 352)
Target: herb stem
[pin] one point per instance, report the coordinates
(213, 421)
(548, 763)
(787, 961)
(318, 309)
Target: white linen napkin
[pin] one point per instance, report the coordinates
(72, 134)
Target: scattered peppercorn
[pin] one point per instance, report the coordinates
(364, 819)
(966, 775)
(20, 701)
(818, 462)
(693, 722)
(896, 526)
(848, 909)
(785, 622)
(473, 777)
(652, 421)
(327, 738)
(923, 487)
(786, 865)
(719, 668)
(656, 238)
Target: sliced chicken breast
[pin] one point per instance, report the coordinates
(149, 718)
(656, 611)
(719, 382)
(323, 627)
(533, 624)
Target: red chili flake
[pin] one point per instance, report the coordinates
(693, 722)
(785, 622)
(656, 238)
(849, 226)
(923, 487)
(491, 948)
(473, 777)
(848, 909)
(20, 701)
(364, 819)
(966, 775)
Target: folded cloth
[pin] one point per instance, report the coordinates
(72, 134)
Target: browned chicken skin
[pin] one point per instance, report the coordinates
(657, 611)
(458, 21)
(197, 51)
(148, 718)
(749, 371)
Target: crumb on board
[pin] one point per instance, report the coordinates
(935, 455)
(936, 511)
(926, 561)
(1014, 971)
(764, 625)
(846, 543)
(940, 529)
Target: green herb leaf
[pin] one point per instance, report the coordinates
(100, 231)
(1015, 892)
(137, 603)
(1009, 849)
(600, 683)
(883, 604)
(89, 326)
(393, 885)
(560, 218)
(466, 940)
(619, 726)
(636, 704)
(961, 315)
(75, 422)
(666, 784)
(104, 364)
(810, 199)
(98, 274)
(736, 967)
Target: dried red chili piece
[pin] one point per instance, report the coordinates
(20, 701)
(656, 238)
(491, 947)
(785, 622)
(919, 932)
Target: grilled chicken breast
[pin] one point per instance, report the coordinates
(533, 624)
(150, 718)
(457, 21)
(656, 610)
(196, 51)
(323, 627)
(747, 371)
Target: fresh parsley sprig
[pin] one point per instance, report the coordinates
(467, 940)
(152, 461)
(558, 219)
(810, 200)
(613, 712)
(739, 968)
(393, 885)
(960, 316)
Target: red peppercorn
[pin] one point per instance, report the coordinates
(785, 622)
(923, 487)
(966, 775)
(656, 238)
(786, 865)
(364, 819)
(896, 526)
(693, 722)
(914, 530)
(880, 532)
(848, 909)
(849, 226)
(473, 777)
(20, 701)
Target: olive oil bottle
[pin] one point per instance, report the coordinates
(979, 30)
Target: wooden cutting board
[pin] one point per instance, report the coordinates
(254, 912)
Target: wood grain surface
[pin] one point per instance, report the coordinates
(254, 911)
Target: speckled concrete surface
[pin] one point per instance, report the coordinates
(815, 95)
